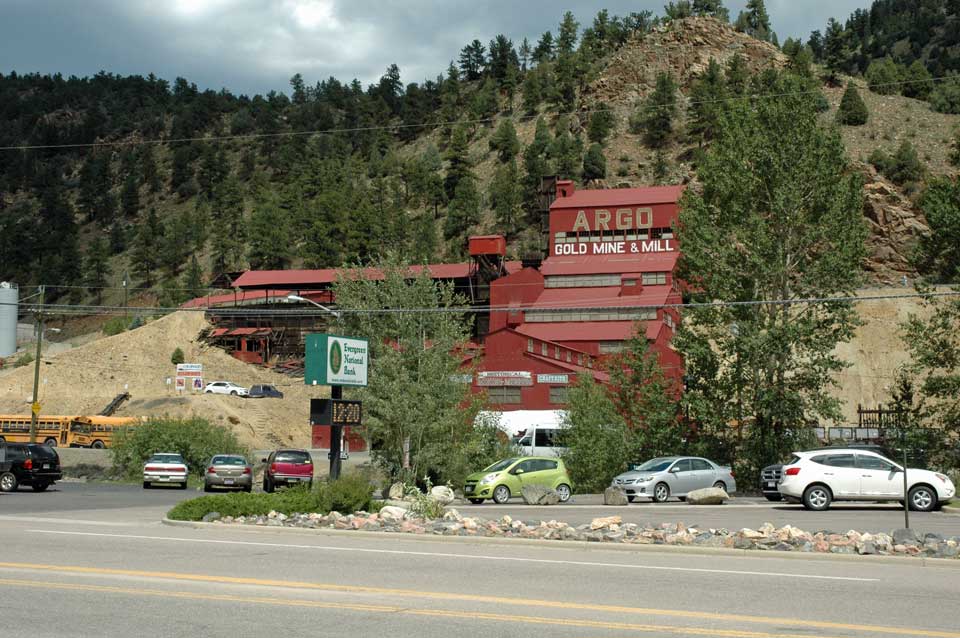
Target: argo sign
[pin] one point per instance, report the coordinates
(621, 231)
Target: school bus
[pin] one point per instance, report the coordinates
(97, 431)
(64, 431)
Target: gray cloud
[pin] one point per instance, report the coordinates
(253, 46)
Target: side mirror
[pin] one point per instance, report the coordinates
(519, 470)
(263, 460)
(674, 470)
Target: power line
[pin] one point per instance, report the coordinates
(401, 126)
(246, 311)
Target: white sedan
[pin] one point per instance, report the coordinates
(226, 387)
(165, 467)
(820, 477)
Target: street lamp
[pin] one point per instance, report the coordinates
(293, 297)
(35, 406)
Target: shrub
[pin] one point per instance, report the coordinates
(24, 360)
(195, 439)
(852, 111)
(903, 167)
(116, 325)
(348, 494)
(177, 357)
(883, 76)
(945, 98)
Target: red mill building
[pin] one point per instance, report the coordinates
(609, 253)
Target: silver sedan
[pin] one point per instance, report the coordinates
(660, 478)
(228, 471)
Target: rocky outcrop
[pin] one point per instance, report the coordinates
(896, 225)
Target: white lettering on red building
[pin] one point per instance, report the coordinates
(615, 247)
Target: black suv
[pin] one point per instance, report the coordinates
(262, 391)
(770, 475)
(29, 464)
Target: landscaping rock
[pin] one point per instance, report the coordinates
(442, 494)
(539, 495)
(707, 496)
(396, 492)
(211, 517)
(606, 521)
(905, 536)
(392, 513)
(401, 504)
(615, 496)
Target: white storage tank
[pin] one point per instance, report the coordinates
(9, 300)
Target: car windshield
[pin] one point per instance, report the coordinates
(655, 465)
(293, 457)
(166, 458)
(43, 452)
(499, 466)
(228, 460)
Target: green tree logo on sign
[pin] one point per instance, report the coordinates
(336, 357)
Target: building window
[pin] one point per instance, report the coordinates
(668, 233)
(504, 395)
(654, 278)
(648, 314)
(529, 345)
(569, 356)
(544, 349)
(581, 281)
(668, 319)
(556, 352)
(579, 359)
(611, 347)
(558, 394)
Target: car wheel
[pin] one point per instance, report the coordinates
(475, 501)
(207, 488)
(40, 487)
(721, 485)
(208, 391)
(146, 485)
(564, 492)
(50, 442)
(922, 499)
(183, 485)
(248, 489)
(817, 498)
(97, 445)
(501, 495)
(661, 492)
(268, 486)
(8, 482)
(631, 498)
(773, 497)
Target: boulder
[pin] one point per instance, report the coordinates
(211, 517)
(905, 536)
(606, 521)
(442, 494)
(396, 492)
(401, 504)
(392, 513)
(614, 496)
(707, 496)
(539, 495)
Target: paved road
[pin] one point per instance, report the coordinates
(111, 578)
(131, 503)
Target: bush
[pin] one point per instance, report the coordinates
(195, 439)
(852, 111)
(903, 167)
(945, 98)
(883, 76)
(24, 360)
(177, 357)
(348, 494)
(116, 325)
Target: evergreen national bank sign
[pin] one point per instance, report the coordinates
(334, 360)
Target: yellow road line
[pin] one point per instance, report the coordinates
(410, 593)
(386, 609)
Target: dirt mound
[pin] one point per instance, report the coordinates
(83, 380)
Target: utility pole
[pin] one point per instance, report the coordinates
(35, 407)
(124, 284)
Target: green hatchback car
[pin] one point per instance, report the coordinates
(506, 478)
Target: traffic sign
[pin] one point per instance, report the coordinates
(35, 408)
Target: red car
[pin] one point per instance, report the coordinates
(287, 467)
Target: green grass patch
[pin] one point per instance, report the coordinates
(346, 495)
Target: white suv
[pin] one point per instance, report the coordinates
(817, 478)
(225, 387)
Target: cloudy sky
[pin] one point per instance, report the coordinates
(253, 46)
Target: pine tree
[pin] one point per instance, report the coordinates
(505, 197)
(485, 103)
(713, 8)
(96, 266)
(424, 247)
(535, 167)
(505, 142)
(524, 54)
(836, 55)
(758, 21)
(130, 197)
(182, 171)
(661, 166)
(736, 75)
(853, 110)
(566, 151)
(145, 256)
(594, 163)
(678, 10)
(883, 77)
(118, 238)
(458, 158)
(706, 102)
(193, 278)
(473, 60)
(918, 82)
(149, 174)
(463, 211)
(532, 92)
(602, 121)
(544, 49)
(567, 34)
(270, 245)
(564, 93)
(659, 112)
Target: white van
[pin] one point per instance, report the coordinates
(542, 440)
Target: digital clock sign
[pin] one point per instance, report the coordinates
(335, 412)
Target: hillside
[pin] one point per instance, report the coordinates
(84, 379)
